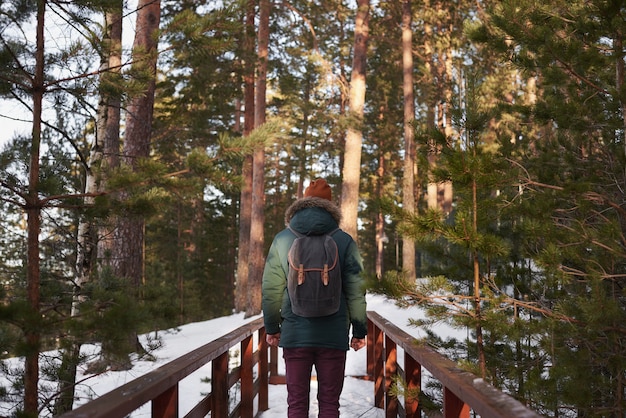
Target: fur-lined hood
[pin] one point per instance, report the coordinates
(313, 202)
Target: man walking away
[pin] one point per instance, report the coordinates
(308, 340)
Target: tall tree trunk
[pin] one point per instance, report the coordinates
(431, 190)
(381, 238)
(130, 231)
(446, 187)
(408, 177)
(109, 117)
(351, 172)
(109, 108)
(257, 237)
(245, 201)
(302, 161)
(245, 213)
(33, 213)
(482, 362)
(107, 137)
(128, 248)
(620, 77)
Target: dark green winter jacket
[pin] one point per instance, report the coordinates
(313, 215)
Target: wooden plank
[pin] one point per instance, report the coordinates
(413, 378)
(219, 386)
(453, 406)
(247, 378)
(379, 371)
(166, 404)
(370, 349)
(202, 409)
(391, 367)
(263, 366)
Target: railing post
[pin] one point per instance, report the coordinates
(166, 404)
(379, 371)
(370, 349)
(275, 378)
(247, 378)
(413, 376)
(391, 367)
(453, 407)
(219, 386)
(263, 372)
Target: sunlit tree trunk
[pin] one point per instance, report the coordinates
(109, 117)
(446, 190)
(257, 237)
(245, 200)
(105, 149)
(108, 114)
(354, 138)
(380, 219)
(408, 176)
(432, 189)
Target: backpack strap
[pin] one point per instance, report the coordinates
(299, 235)
(293, 231)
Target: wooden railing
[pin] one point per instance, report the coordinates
(161, 385)
(462, 391)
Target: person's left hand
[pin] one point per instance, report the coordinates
(357, 343)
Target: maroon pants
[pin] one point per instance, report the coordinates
(329, 365)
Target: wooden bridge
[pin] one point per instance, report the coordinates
(463, 392)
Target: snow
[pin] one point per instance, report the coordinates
(357, 398)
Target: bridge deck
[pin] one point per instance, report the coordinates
(357, 400)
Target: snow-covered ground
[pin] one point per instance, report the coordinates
(357, 398)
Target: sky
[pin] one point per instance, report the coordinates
(15, 119)
(357, 397)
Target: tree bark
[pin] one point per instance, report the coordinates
(430, 74)
(381, 237)
(105, 149)
(408, 176)
(482, 362)
(33, 213)
(620, 77)
(257, 236)
(107, 125)
(245, 203)
(129, 234)
(128, 247)
(351, 172)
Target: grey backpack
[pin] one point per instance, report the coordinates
(314, 276)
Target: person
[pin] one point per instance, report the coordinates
(321, 342)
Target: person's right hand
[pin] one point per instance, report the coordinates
(273, 339)
(357, 343)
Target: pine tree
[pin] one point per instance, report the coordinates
(573, 226)
(351, 171)
(194, 122)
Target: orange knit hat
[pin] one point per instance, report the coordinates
(318, 188)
